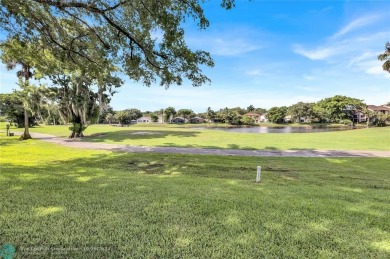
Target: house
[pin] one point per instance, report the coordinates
(263, 117)
(290, 118)
(178, 120)
(383, 109)
(144, 120)
(359, 116)
(197, 120)
(254, 116)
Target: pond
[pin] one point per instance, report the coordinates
(281, 129)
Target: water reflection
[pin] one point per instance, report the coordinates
(281, 129)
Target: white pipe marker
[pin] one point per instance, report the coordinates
(258, 174)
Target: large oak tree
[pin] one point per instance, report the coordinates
(144, 38)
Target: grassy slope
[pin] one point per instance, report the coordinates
(157, 135)
(152, 205)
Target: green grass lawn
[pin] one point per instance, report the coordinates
(191, 206)
(173, 135)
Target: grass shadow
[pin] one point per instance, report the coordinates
(120, 136)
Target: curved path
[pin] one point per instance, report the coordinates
(77, 143)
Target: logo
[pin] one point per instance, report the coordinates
(7, 251)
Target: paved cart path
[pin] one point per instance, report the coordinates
(79, 143)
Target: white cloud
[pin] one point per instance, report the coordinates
(222, 42)
(375, 70)
(349, 51)
(356, 24)
(360, 45)
(225, 46)
(231, 47)
(369, 55)
(318, 53)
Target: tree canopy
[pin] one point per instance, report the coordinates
(82, 97)
(301, 110)
(145, 39)
(169, 113)
(277, 114)
(126, 116)
(338, 107)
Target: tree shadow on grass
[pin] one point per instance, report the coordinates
(177, 203)
(120, 136)
(200, 146)
(271, 148)
(7, 140)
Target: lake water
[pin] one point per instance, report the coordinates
(282, 129)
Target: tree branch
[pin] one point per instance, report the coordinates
(89, 7)
(106, 45)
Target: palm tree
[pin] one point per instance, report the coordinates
(24, 76)
(17, 53)
(210, 114)
(250, 108)
(386, 57)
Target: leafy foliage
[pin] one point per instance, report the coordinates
(246, 120)
(154, 117)
(169, 113)
(185, 113)
(277, 114)
(386, 57)
(106, 112)
(301, 110)
(210, 114)
(250, 108)
(379, 119)
(79, 100)
(126, 116)
(11, 106)
(338, 108)
(94, 34)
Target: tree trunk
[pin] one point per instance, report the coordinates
(26, 134)
(77, 131)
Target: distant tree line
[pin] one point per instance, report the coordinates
(336, 109)
(45, 108)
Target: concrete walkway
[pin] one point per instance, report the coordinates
(78, 143)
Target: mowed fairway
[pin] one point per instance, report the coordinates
(191, 206)
(176, 136)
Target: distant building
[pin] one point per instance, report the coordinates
(256, 117)
(289, 118)
(144, 120)
(197, 120)
(263, 117)
(178, 120)
(359, 116)
(383, 109)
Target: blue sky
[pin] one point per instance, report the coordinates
(274, 53)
